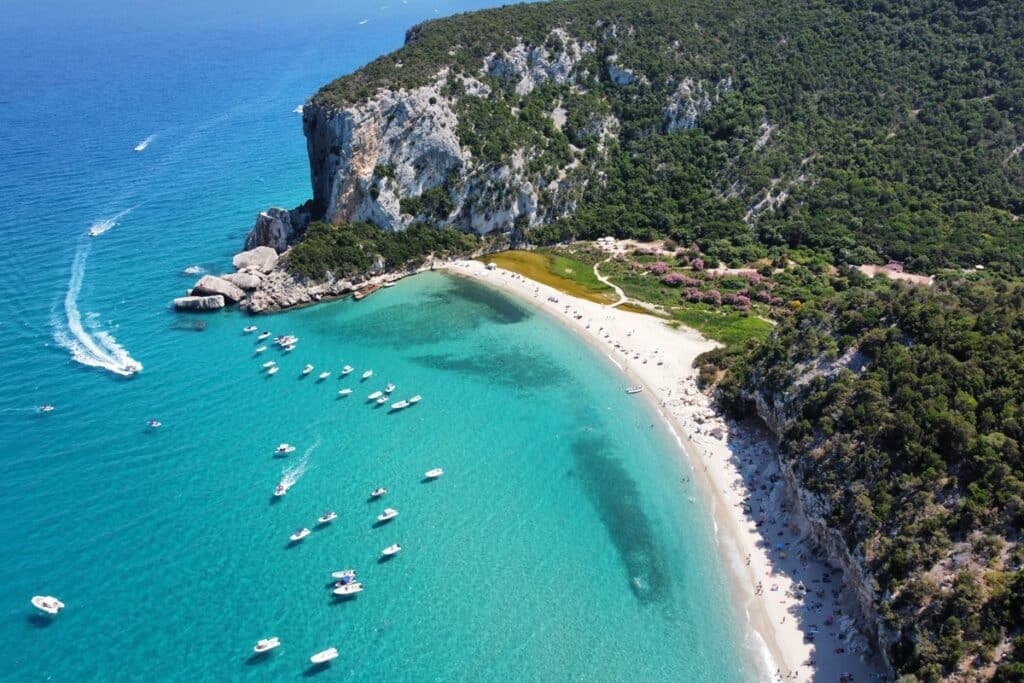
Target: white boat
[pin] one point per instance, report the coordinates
(378, 492)
(344, 392)
(327, 517)
(391, 550)
(323, 376)
(153, 424)
(263, 335)
(299, 535)
(284, 449)
(399, 405)
(47, 604)
(344, 574)
(308, 369)
(387, 515)
(282, 488)
(634, 390)
(325, 656)
(382, 400)
(270, 364)
(348, 588)
(272, 370)
(434, 473)
(389, 388)
(346, 370)
(46, 408)
(415, 399)
(266, 645)
(261, 349)
(286, 340)
(289, 348)
(368, 374)
(249, 330)
(374, 396)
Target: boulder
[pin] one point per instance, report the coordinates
(210, 285)
(273, 228)
(246, 280)
(199, 303)
(263, 259)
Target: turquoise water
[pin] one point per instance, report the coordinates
(559, 545)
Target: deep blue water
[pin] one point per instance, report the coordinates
(559, 545)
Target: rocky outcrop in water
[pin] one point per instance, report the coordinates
(211, 285)
(199, 303)
(261, 258)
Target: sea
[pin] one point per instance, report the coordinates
(138, 142)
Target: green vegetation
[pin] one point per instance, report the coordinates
(358, 248)
(562, 272)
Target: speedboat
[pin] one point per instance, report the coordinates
(634, 390)
(299, 535)
(266, 645)
(374, 396)
(289, 348)
(344, 574)
(286, 340)
(389, 388)
(399, 405)
(415, 399)
(263, 335)
(153, 424)
(378, 492)
(47, 604)
(308, 369)
(325, 656)
(387, 515)
(272, 370)
(434, 473)
(46, 408)
(327, 517)
(344, 392)
(270, 364)
(391, 550)
(249, 330)
(284, 449)
(382, 400)
(260, 349)
(282, 488)
(347, 589)
(323, 376)
(368, 374)
(346, 370)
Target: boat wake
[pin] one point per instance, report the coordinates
(290, 475)
(144, 144)
(105, 224)
(297, 110)
(93, 347)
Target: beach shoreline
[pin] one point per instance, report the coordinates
(766, 561)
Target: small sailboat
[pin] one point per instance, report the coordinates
(415, 399)
(260, 349)
(266, 645)
(327, 517)
(153, 424)
(324, 656)
(387, 515)
(344, 574)
(306, 370)
(434, 473)
(389, 388)
(270, 364)
(374, 396)
(272, 370)
(263, 335)
(344, 392)
(391, 550)
(378, 492)
(399, 405)
(284, 449)
(323, 376)
(346, 370)
(47, 604)
(368, 374)
(348, 589)
(299, 535)
(249, 329)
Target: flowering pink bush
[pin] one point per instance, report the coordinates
(713, 296)
(674, 280)
(692, 294)
(658, 267)
(697, 263)
(753, 278)
(741, 302)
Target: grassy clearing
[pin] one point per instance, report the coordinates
(565, 274)
(728, 327)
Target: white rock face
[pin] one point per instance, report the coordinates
(262, 259)
(199, 303)
(535, 64)
(273, 229)
(619, 75)
(210, 285)
(692, 99)
(246, 280)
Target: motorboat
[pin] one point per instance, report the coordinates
(344, 392)
(387, 515)
(382, 400)
(46, 408)
(415, 399)
(263, 335)
(266, 645)
(391, 550)
(270, 364)
(368, 374)
(324, 656)
(378, 492)
(272, 370)
(284, 449)
(260, 349)
(346, 370)
(282, 488)
(323, 376)
(434, 473)
(47, 604)
(344, 574)
(374, 396)
(327, 517)
(306, 370)
(249, 329)
(289, 348)
(286, 340)
(389, 388)
(299, 535)
(399, 405)
(634, 390)
(153, 424)
(347, 589)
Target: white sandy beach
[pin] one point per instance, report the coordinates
(730, 464)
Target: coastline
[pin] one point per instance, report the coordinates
(728, 462)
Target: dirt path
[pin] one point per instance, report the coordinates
(618, 290)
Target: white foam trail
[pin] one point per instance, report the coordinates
(290, 475)
(104, 224)
(97, 349)
(297, 110)
(193, 270)
(145, 143)
(363, 21)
